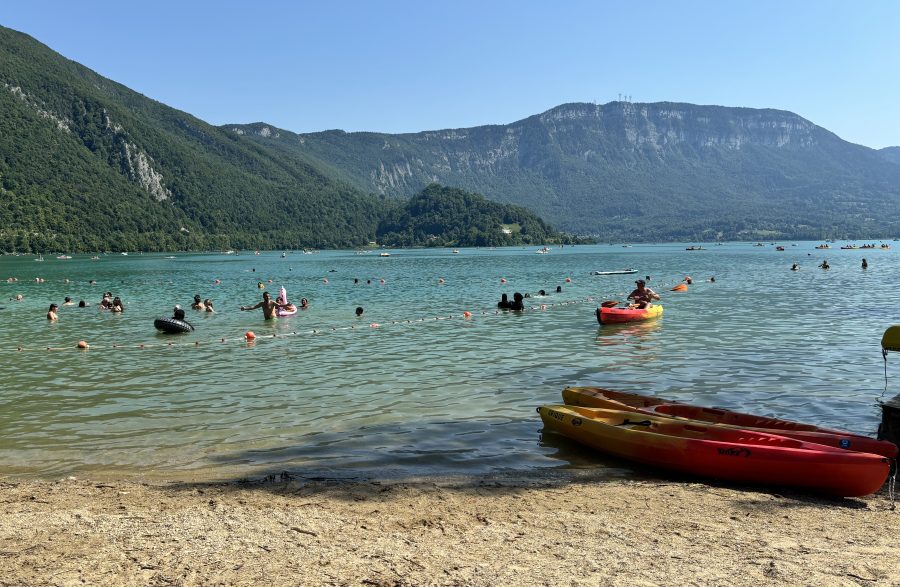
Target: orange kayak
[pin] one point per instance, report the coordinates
(718, 452)
(598, 397)
(622, 315)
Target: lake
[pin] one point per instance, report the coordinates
(413, 387)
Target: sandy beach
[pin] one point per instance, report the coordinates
(560, 527)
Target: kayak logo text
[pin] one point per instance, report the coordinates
(734, 452)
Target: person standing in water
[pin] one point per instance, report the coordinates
(51, 313)
(865, 264)
(268, 306)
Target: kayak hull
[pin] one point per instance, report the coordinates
(710, 451)
(624, 315)
(598, 397)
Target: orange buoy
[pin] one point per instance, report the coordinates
(467, 314)
(381, 281)
(83, 345)
(373, 325)
(250, 335)
(568, 280)
(680, 287)
(502, 280)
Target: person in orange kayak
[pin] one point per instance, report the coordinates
(642, 296)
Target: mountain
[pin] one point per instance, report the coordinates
(443, 217)
(891, 154)
(88, 164)
(627, 171)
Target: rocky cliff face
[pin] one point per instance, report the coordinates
(676, 170)
(402, 164)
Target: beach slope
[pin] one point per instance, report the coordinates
(572, 527)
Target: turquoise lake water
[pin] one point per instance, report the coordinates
(428, 391)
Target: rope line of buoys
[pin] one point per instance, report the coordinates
(249, 338)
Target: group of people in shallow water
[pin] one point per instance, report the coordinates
(825, 265)
(108, 303)
(518, 302)
(201, 306)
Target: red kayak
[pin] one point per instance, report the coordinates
(598, 397)
(622, 315)
(717, 452)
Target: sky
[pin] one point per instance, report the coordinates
(407, 66)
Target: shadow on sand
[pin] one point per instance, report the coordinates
(576, 465)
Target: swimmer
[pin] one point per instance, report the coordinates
(359, 311)
(68, 302)
(795, 267)
(517, 304)
(355, 280)
(197, 305)
(17, 298)
(865, 264)
(51, 313)
(268, 306)
(688, 280)
(82, 304)
(117, 305)
(542, 293)
(178, 313)
(503, 304)
(207, 303)
(712, 279)
(304, 303)
(558, 289)
(261, 285)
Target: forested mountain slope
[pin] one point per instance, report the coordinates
(633, 171)
(87, 164)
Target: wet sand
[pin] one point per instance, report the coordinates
(560, 527)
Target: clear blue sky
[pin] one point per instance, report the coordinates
(411, 65)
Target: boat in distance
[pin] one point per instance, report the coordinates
(615, 272)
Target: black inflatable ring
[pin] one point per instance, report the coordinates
(172, 325)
